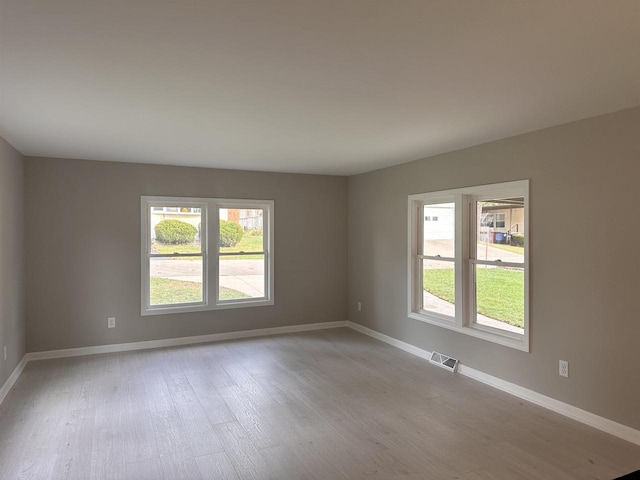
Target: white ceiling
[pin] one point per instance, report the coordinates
(318, 86)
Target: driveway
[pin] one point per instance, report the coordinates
(484, 252)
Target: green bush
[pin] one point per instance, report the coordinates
(517, 239)
(175, 232)
(230, 233)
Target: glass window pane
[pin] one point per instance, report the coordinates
(241, 230)
(175, 229)
(438, 284)
(241, 276)
(439, 229)
(500, 297)
(500, 230)
(175, 280)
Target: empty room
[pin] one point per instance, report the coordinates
(319, 239)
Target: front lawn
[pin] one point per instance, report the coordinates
(500, 292)
(169, 248)
(167, 291)
(247, 244)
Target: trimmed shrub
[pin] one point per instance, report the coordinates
(175, 232)
(230, 233)
(517, 239)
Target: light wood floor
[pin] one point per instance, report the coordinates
(331, 404)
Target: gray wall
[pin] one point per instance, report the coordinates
(12, 319)
(83, 243)
(584, 258)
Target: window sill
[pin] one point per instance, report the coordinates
(518, 342)
(145, 312)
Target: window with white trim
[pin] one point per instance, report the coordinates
(205, 254)
(469, 271)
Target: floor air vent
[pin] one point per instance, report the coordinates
(443, 361)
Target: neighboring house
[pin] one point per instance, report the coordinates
(439, 222)
(498, 221)
(247, 218)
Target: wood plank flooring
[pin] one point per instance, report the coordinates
(330, 404)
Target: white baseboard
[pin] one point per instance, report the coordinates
(12, 378)
(172, 342)
(407, 347)
(609, 426)
(604, 424)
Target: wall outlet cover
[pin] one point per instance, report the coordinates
(564, 368)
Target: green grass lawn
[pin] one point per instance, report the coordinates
(167, 291)
(500, 292)
(247, 244)
(169, 248)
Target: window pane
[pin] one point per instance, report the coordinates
(501, 230)
(241, 276)
(500, 297)
(438, 284)
(175, 280)
(439, 229)
(241, 230)
(175, 229)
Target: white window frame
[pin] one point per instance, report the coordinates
(465, 241)
(209, 237)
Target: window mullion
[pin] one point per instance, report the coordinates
(460, 265)
(213, 259)
(419, 248)
(146, 236)
(472, 223)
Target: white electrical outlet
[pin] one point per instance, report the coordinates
(564, 368)
(5, 352)
(359, 306)
(111, 322)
